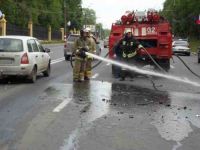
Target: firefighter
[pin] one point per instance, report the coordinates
(126, 51)
(92, 49)
(81, 45)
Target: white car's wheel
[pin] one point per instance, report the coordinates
(48, 71)
(33, 76)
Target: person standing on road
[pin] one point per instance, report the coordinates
(126, 51)
(81, 45)
(92, 49)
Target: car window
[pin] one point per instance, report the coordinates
(30, 49)
(180, 43)
(11, 45)
(72, 38)
(41, 49)
(33, 45)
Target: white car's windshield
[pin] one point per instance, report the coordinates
(182, 43)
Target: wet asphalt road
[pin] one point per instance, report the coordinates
(146, 113)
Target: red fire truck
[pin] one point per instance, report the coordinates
(151, 30)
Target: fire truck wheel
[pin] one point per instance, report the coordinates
(116, 71)
(165, 64)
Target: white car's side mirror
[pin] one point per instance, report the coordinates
(47, 50)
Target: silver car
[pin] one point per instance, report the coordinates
(181, 47)
(68, 46)
(23, 56)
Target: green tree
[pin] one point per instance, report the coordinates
(89, 16)
(182, 15)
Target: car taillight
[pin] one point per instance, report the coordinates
(24, 59)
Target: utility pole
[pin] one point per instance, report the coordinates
(65, 18)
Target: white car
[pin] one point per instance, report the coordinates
(181, 47)
(23, 56)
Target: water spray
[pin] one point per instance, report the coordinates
(142, 71)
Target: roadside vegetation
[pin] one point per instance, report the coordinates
(194, 44)
(49, 12)
(182, 15)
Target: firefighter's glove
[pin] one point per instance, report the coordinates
(140, 47)
(89, 58)
(82, 53)
(85, 49)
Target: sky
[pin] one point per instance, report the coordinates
(108, 11)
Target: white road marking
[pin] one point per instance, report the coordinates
(57, 60)
(108, 64)
(95, 76)
(171, 66)
(62, 105)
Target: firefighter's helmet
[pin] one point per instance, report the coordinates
(127, 30)
(87, 30)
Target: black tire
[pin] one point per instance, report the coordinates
(198, 60)
(48, 71)
(67, 57)
(116, 71)
(165, 64)
(188, 54)
(33, 76)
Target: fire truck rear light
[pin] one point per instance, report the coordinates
(164, 46)
(24, 59)
(163, 33)
(116, 34)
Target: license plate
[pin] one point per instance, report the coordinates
(6, 61)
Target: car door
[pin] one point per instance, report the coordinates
(35, 54)
(44, 56)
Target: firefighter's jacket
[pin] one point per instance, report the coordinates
(127, 48)
(84, 43)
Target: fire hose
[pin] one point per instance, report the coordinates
(94, 66)
(99, 62)
(198, 76)
(152, 59)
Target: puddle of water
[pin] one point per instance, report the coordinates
(174, 123)
(130, 96)
(168, 115)
(175, 147)
(59, 90)
(90, 95)
(146, 72)
(72, 142)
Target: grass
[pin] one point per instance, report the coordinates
(194, 44)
